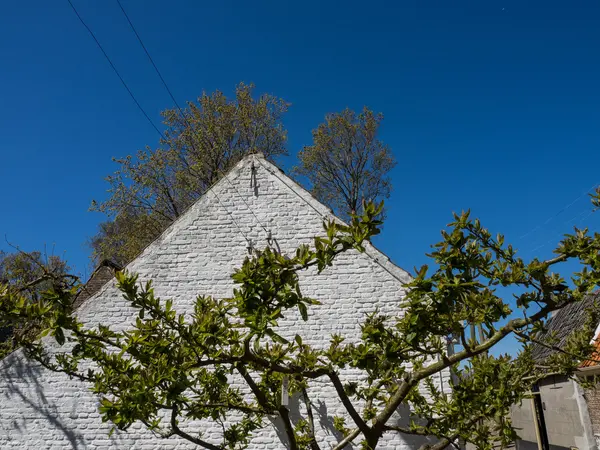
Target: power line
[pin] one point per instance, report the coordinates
(151, 60)
(138, 104)
(230, 215)
(589, 213)
(115, 69)
(245, 202)
(181, 112)
(555, 235)
(563, 209)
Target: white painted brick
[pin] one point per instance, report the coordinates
(196, 255)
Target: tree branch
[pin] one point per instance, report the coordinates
(264, 402)
(289, 429)
(555, 348)
(311, 421)
(412, 380)
(344, 442)
(360, 423)
(261, 398)
(178, 431)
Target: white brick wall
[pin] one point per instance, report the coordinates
(196, 255)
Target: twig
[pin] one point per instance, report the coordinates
(311, 421)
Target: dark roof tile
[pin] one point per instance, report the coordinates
(562, 324)
(102, 275)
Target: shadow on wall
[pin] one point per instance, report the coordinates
(23, 382)
(325, 423)
(324, 420)
(20, 378)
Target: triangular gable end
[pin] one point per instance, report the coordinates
(245, 180)
(196, 256)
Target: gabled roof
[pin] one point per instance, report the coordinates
(568, 319)
(104, 276)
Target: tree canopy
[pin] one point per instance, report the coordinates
(30, 274)
(153, 187)
(170, 369)
(347, 163)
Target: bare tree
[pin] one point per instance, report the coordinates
(347, 164)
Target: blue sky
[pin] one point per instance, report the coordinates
(489, 105)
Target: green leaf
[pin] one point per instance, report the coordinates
(276, 337)
(303, 311)
(59, 335)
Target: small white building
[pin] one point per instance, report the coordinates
(257, 203)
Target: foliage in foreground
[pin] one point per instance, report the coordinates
(30, 274)
(170, 369)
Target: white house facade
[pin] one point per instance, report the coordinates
(257, 203)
